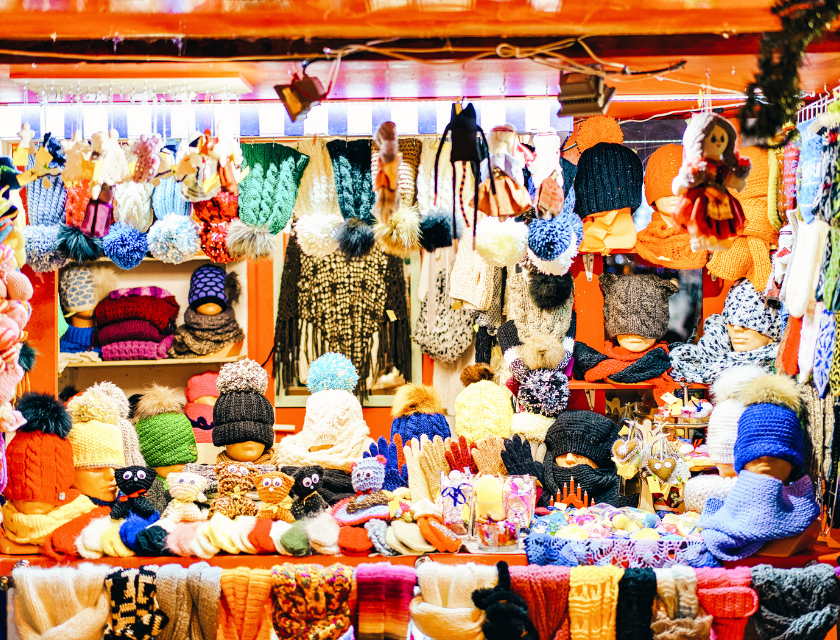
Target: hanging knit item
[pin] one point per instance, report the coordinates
(593, 595)
(352, 170)
(243, 613)
(676, 610)
(134, 607)
(636, 591)
(818, 420)
(617, 364)
(546, 590)
(385, 591)
(312, 602)
(727, 596)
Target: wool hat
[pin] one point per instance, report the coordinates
(167, 199)
(39, 456)
(165, 433)
(746, 307)
(584, 433)
(769, 425)
(418, 410)
(243, 413)
(332, 371)
(723, 422)
(636, 304)
(207, 285)
(484, 408)
(96, 437)
(609, 176)
(130, 443)
(200, 414)
(82, 287)
(663, 165)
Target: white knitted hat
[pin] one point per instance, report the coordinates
(723, 423)
(700, 488)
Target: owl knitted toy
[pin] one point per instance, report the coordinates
(186, 489)
(133, 481)
(310, 497)
(273, 487)
(236, 479)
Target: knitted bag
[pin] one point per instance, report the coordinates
(447, 335)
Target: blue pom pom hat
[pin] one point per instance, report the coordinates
(418, 410)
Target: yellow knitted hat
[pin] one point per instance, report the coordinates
(96, 437)
(483, 410)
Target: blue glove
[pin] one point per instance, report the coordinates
(395, 476)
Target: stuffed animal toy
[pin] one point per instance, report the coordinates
(370, 502)
(310, 497)
(133, 482)
(110, 160)
(147, 149)
(273, 487)
(711, 165)
(78, 166)
(236, 479)
(186, 489)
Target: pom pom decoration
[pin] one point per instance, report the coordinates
(244, 241)
(501, 244)
(242, 375)
(771, 389)
(233, 288)
(415, 398)
(174, 239)
(400, 235)
(42, 248)
(598, 129)
(355, 238)
(476, 373)
(26, 357)
(125, 246)
(542, 352)
(730, 384)
(44, 413)
(316, 233)
(548, 238)
(156, 400)
(79, 247)
(549, 292)
(436, 230)
(544, 391)
(332, 371)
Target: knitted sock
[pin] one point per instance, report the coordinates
(202, 545)
(376, 531)
(546, 591)
(593, 595)
(242, 531)
(220, 533)
(636, 591)
(179, 539)
(152, 542)
(242, 607)
(133, 526)
(727, 596)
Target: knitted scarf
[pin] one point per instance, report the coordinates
(676, 610)
(268, 457)
(268, 193)
(352, 169)
(619, 365)
(712, 355)
(201, 335)
(593, 594)
(243, 606)
(34, 528)
(546, 590)
(385, 591)
(189, 596)
(727, 596)
(667, 246)
(602, 485)
(636, 591)
(312, 601)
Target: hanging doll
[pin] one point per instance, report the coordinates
(388, 163)
(547, 174)
(111, 165)
(187, 490)
(273, 487)
(711, 165)
(78, 166)
(235, 481)
(503, 170)
(147, 149)
(133, 482)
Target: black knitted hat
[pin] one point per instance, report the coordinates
(584, 433)
(242, 413)
(609, 176)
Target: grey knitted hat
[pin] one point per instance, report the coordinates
(636, 304)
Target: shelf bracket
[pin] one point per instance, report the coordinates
(588, 265)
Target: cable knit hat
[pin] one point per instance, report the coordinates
(609, 176)
(636, 304)
(243, 413)
(663, 165)
(207, 285)
(40, 458)
(82, 287)
(95, 437)
(769, 425)
(167, 198)
(417, 410)
(584, 433)
(165, 433)
(745, 307)
(723, 423)
(482, 410)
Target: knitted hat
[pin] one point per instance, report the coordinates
(636, 304)
(770, 423)
(207, 285)
(332, 371)
(96, 436)
(243, 413)
(417, 410)
(165, 433)
(483, 409)
(584, 433)
(723, 423)
(663, 165)
(82, 287)
(745, 307)
(202, 385)
(200, 414)
(40, 458)
(167, 198)
(609, 176)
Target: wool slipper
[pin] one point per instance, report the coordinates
(408, 533)
(436, 533)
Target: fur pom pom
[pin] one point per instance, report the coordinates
(115, 395)
(42, 248)
(501, 244)
(542, 352)
(415, 398)
(156, 400)
(544, 391)
(255, 243)
(549, 292)
(92, 405)
(26, 357)
(242, 375)
(436, 230)
(730, 384)
(125, 246)
(174, 239)
(355, 238)
(332, 371)
(233, 289)
(476, 373)
(44, 413)
(79, 247)
(316, 233)
(400, 236)
(771, 389)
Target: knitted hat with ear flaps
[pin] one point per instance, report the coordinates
(242, 413)
(636, 304)
(584, 433)
(165, 433)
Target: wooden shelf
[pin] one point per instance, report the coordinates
(154, 363)
(582, 384)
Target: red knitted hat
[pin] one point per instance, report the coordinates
(161, 312)
(202, 384)
(354, 541)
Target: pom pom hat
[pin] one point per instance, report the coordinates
(95, 437)
(417, 410)
(332, 371)
(723, 423)
(243, 413)
(207, 285)
(165, 433)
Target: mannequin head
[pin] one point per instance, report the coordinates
(666, 205)
(636, 311)
(750, 323)
(209, 309)
(635, 343)
(243, 418)
(164, 472)
(769, 466)
(570, 459)
(208, 292)
(208, 400)
(96, 483)
(247, 451)
(82, 319)
(662, 167)
(744, 339)
(81, 288)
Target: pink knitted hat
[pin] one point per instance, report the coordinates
(202, 384)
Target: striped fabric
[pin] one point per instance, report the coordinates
(385, 591)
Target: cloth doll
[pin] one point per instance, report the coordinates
(370, 502)
(711, 166)
(273, 487)
(107, 153)
(310, 497)
(547, 174)
(388, 161)
(187, 490)
(503, 170)
(133, 481)
(747, 332)
(78, 166)
(635, 318)
(236, 479)
(147, 149)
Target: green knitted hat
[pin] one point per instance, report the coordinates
(164, 431)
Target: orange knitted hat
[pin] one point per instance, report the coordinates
(354, 541)
(242, 608)
(260, 536)
(662, 167)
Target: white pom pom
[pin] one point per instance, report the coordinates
(501, 244)
(316, 234)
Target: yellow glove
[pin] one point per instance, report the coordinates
(417, 484)
(432, 462)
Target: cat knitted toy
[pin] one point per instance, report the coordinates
(370, 501)
(310, 496)
(186, 489)
(235, 481)
(273, 487)
(133, 481)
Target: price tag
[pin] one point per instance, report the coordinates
(475, 327)
(653, 483)
(457, 305)
(391, 315)
(669, 398)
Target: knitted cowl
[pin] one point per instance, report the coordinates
(245, 595)
(727, 596)
(384, 592)
(546, 590)
(636, 591)
(202, 335)
(795, 604)
(189, 596)
(351, 167)
(267, 194)
(61, 602)
(677, 613)
(666, 246)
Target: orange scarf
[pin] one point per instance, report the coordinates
(667, 246)
(620, 359)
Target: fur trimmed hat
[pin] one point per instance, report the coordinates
(417, 410)
(722, 430)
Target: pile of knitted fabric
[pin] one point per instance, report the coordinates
(136, 323)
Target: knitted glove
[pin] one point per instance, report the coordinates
(518, 459)
(432, 462)
(396, 475)
(417, 484)
(460, 456)
(487, 455)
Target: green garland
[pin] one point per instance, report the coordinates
(774, 96)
